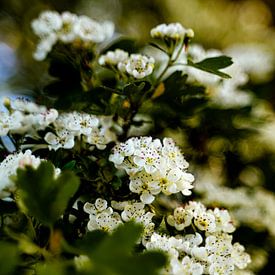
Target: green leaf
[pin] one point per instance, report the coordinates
(69, 165)
(8, 258)
(115, 254)
(54, 268)
(213, 65)
(44, 196)
(136, 90)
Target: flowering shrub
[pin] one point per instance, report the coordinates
(90, 189)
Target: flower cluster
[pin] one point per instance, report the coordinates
(105, 218)
(195, 254)
(247, 204)
(153, 167)
(152, 177)
(52, 27)
(93, 130)
(173, 31)
(208, 251)
(25, 116)
(213, 221)
(9, 166)
(135, 65)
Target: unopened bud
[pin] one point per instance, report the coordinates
(7, 103)
(189, 33)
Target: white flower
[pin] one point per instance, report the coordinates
(221, 269)
(240, 258)
(104, 221)
(186, 266)
(174, 31)
(26, 117)
(98, 137)
(44, 119)
(62, 139)
(82, 263)
(99, 206)
(173, 155)
(223, 221)
(137, 65)
(81, 123)
(44, 47)
(147, 158)
(135, 211)
(67, 34)
(101, 216)
(205, 221)
(108, 29)
(91, 31)
(191, 241)
(112, 58)
(180, 219)
(10, 122)
(143, 184)
(47, 23)
(26, 106)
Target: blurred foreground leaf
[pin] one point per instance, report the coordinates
(114, 254)
(43, 195)
(8, 258)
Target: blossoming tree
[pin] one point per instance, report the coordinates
(93, 185)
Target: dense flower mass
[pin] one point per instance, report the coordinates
(93, 130)
(25, 116)
(208, 252)
(153, 167)
(105, 218)
(52, 27)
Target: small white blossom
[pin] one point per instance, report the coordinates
(187, 266)
(137, 65)
(47, 22)
(44, 47)
(223, 221)
(180, 219)
(205, 221)
(67, 34)
(241, 259)
(11, 122)
(112, 58)
(91, 31)
(101, 216)
(62, 139)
